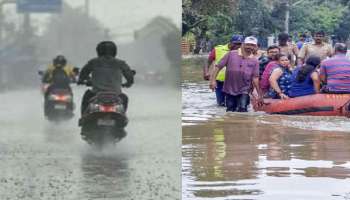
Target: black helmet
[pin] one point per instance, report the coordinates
(106, 48)
(59, 61)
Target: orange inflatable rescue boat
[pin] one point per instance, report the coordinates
(316, 105)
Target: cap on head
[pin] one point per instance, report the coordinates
(237, 39)
(251, 40)
(106, 48)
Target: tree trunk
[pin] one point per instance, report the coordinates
(198, 45)
(286, 22)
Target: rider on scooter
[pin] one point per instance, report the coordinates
(59, 74)
(106, 74)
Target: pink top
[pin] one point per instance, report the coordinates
(264, 82)
(212, 55)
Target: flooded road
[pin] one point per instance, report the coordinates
(259, 156)
(43, 160)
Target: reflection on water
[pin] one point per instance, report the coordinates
(258, 156)
(197, 105)
(110, 172)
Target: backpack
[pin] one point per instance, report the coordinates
(60, 78)
(263, 61)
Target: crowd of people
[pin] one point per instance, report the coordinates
(237, 70)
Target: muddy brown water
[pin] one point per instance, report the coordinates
(259, 156)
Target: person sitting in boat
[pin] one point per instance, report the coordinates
(280, 79)
(305, 79)
(335, 72)
(272, 53)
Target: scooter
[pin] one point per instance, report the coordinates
(58, 102)
(104, 120)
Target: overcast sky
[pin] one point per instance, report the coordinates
(120, 16)
(123, 17)
(131, 13)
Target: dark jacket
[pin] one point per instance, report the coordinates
(106, 74)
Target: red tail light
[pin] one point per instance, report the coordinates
(64, 98)
(61, 98)
(108, 108)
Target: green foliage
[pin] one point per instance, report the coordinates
(253, 17)
(343, 30)
(220, 27)
(266, 17)
(310, 15)
(326, 18)
(196, 12)
(278, 15)
(244, 19)
(300, 17)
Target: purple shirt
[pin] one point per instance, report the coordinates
(239, 73)
(337, 73)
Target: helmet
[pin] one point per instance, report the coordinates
(59, 61)
(106, 48)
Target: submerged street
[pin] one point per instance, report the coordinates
(260, 156)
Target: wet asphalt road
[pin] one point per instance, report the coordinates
(41, 160)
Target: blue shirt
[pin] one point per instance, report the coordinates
(301, 89)
(284, 82)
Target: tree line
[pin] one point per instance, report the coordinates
(219, 19)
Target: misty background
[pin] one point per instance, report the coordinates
(41, 159)
(147, 34)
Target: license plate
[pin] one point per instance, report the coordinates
(105, 122)
(60, 107)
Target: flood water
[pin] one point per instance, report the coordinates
(49, 161)
(259, 156)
